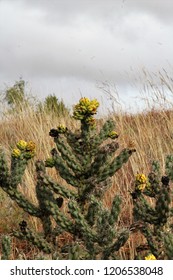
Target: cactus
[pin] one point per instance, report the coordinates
(87, 164)
(152, 209)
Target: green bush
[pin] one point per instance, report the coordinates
(52, 105)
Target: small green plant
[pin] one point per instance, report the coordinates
(86, 161)
(153, 210)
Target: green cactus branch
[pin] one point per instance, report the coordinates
(162, 204)
(4, 171)
(35, 239)
(115, 165)
(22, 202)
(121, 240)
(81, 223)
(168, 243)
(144, 211)
(64, 171)
(6, 247)
(58, 189)
(104, 132)
(103, 157)
(18, 166)
(151, 240)
(106, 233)
(169, 166)
(93, 209)
(115, 210)
(74, 141)
(67, 155)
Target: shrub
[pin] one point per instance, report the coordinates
(52, 105)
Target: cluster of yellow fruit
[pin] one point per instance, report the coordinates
(113, 134)
(27, 149)
(62, 129)
(150, 257)
(85, 109)
(141, 182)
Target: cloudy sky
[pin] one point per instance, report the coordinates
(74, 47)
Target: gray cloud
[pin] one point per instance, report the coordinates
(79, 43)
(67, 11)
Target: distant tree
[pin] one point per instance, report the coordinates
(15, 95)
(52, 105)
(17, 98)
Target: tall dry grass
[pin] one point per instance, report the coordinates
(151, 132)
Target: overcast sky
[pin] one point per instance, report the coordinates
(71, 47)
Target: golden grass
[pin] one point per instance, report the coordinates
(151, 132)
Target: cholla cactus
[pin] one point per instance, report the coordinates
(152, 209)
(87, 165)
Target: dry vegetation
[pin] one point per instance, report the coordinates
(151, 132)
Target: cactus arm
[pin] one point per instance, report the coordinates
(67, 155)
(163, 202)
(169, 166)
(103, 158)
(61, 190)
(116, 164)
(149, 235)
(18, 166)
(61, 219)
(23, 202)
(93, 209)
(64, 171)
(115, 210)
(9, 185)
(104, 131)
(6, 247)
(80, 221)
(47, 201)
(35, 239)
(4, 171)
(168, 243)
(121, 240)
(74, 142)
(143, 211)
